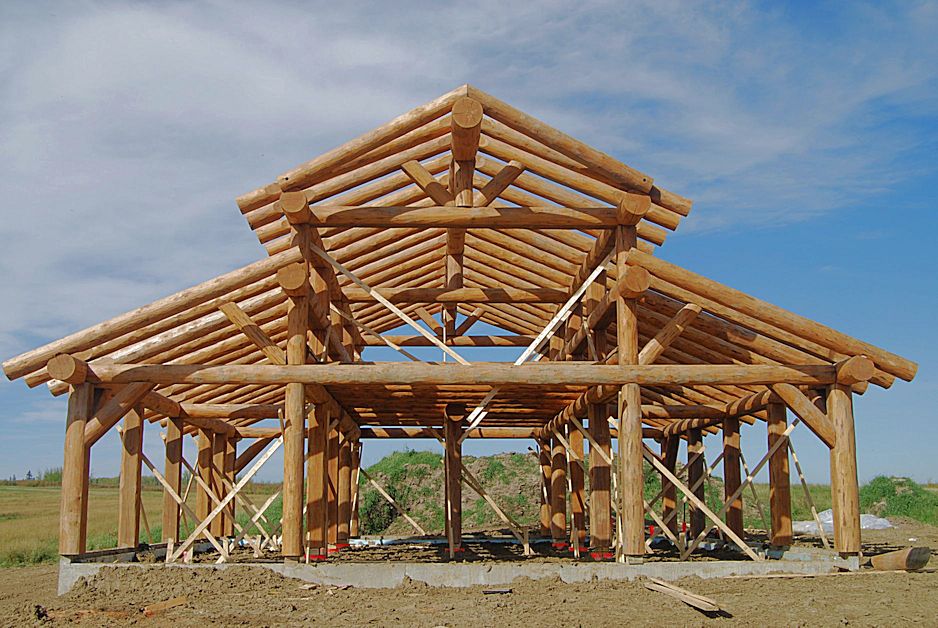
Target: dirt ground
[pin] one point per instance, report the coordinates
(258, 597)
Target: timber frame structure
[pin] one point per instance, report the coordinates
(463, 206)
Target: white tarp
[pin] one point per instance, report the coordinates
(867, 522)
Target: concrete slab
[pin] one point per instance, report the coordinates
(372, 575)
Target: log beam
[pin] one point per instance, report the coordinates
(490, 374)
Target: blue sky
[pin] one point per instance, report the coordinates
(806, 134)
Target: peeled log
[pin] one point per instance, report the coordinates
(294, 279)
(466, 128)
(295, 206)
(909, 559)
(855, 370)
(68, 369)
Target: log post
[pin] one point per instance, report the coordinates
(695, 475)
(577, 490)
(172, 472)
(356, 467)
(731, 474)
(316, 484)
(128, 508)
(332, 504)
(466, 127)
(203, 504)
(219, 523)
(845, 494)
(779, 478)
(295, 397)
(231, 455)
(558, 494)
(452, 432)
(597, 414)
(630, 480)
(345, 493)
(669, 450)
(600, 483)
(544, 459)
(72, 522)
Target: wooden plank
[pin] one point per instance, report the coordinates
(691, 599)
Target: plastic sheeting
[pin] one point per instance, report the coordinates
(867, 522)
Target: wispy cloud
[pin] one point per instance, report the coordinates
(128, 129)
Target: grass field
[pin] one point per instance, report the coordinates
(29, 520)
(29, 515)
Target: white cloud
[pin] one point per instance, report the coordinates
(129, 129)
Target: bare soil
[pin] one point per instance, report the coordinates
(253, 596)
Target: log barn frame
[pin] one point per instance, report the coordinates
(471, 209)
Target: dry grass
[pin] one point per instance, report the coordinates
(29, 523)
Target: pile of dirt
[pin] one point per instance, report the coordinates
(415, 480)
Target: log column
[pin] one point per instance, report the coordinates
(72, 522)
(695, 475)
(316, 484)
(231, 455)
(731, 474)
(172, 472)
(577, 489)
(128, 508)
(203, 505)
(779, 478)
(669, 450)
(297, 289)
(845, 492)
(452, 433)
(466, 128)
(332, 472)
(630, 480)
(219, 523)
(544, 459)
(600, 483)
(600, 471)
(356, 467)
(345, 493)
(558, 494)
